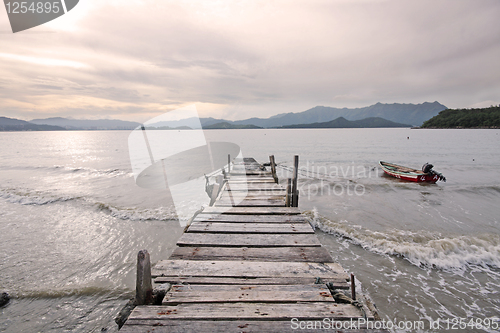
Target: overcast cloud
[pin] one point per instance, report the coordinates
(133, 59)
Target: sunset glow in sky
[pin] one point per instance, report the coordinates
(135, 59)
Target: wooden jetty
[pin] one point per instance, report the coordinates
(249, 265)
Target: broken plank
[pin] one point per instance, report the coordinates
(248, 240)
(254, 269)
(297, 254)
(254, 228)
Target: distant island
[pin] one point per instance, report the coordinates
(226, 125)
(341, 122)
(465, 118)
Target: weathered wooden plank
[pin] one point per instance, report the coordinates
(247, 326)
(253, 210)
(258, 191)
(252, 181)
(250, 196)
(244, 293)
(239, 177)
(256, 184)
(251, 218)
(250, 203)
(254, 228)
(249, 240)
(235, 186)
(298, 254)
(248, 166)
(250, 173)
(245, 269)
(245, 287)
(338, 283)
(242, 311)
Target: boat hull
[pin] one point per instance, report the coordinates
(411, 175)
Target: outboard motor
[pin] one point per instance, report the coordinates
(427, 167)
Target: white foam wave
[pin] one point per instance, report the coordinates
(24, 197)
(422, 248)
(36, 198)
(95, 172)
(137, 214)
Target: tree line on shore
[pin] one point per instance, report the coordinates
(466, 118)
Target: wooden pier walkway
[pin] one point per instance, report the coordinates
(249, 265)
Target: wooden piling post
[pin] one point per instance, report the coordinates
(288, 197)
(295, 191)
(273, 168)
(353, 287)
(144, 285)
(228, 163)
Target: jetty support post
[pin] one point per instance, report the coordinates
(353, 287)
(295, 191)
(288, 198)
(228, 163)
(144, 285)
(273, 168)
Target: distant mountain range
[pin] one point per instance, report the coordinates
(79, 124)
(377, 115)
(412, 114)
(10, 124)
(341, 122)
(226, 125)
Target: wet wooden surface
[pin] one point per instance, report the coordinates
(247, 264)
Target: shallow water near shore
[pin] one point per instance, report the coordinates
(72, 220)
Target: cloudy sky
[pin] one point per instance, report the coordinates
(135, 59)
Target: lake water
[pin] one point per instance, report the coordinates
(72, 220)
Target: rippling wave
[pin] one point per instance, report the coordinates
(422, 248)
(69, 292)
(26, 197)
(74, 170)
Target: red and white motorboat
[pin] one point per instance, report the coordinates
(426, 175)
